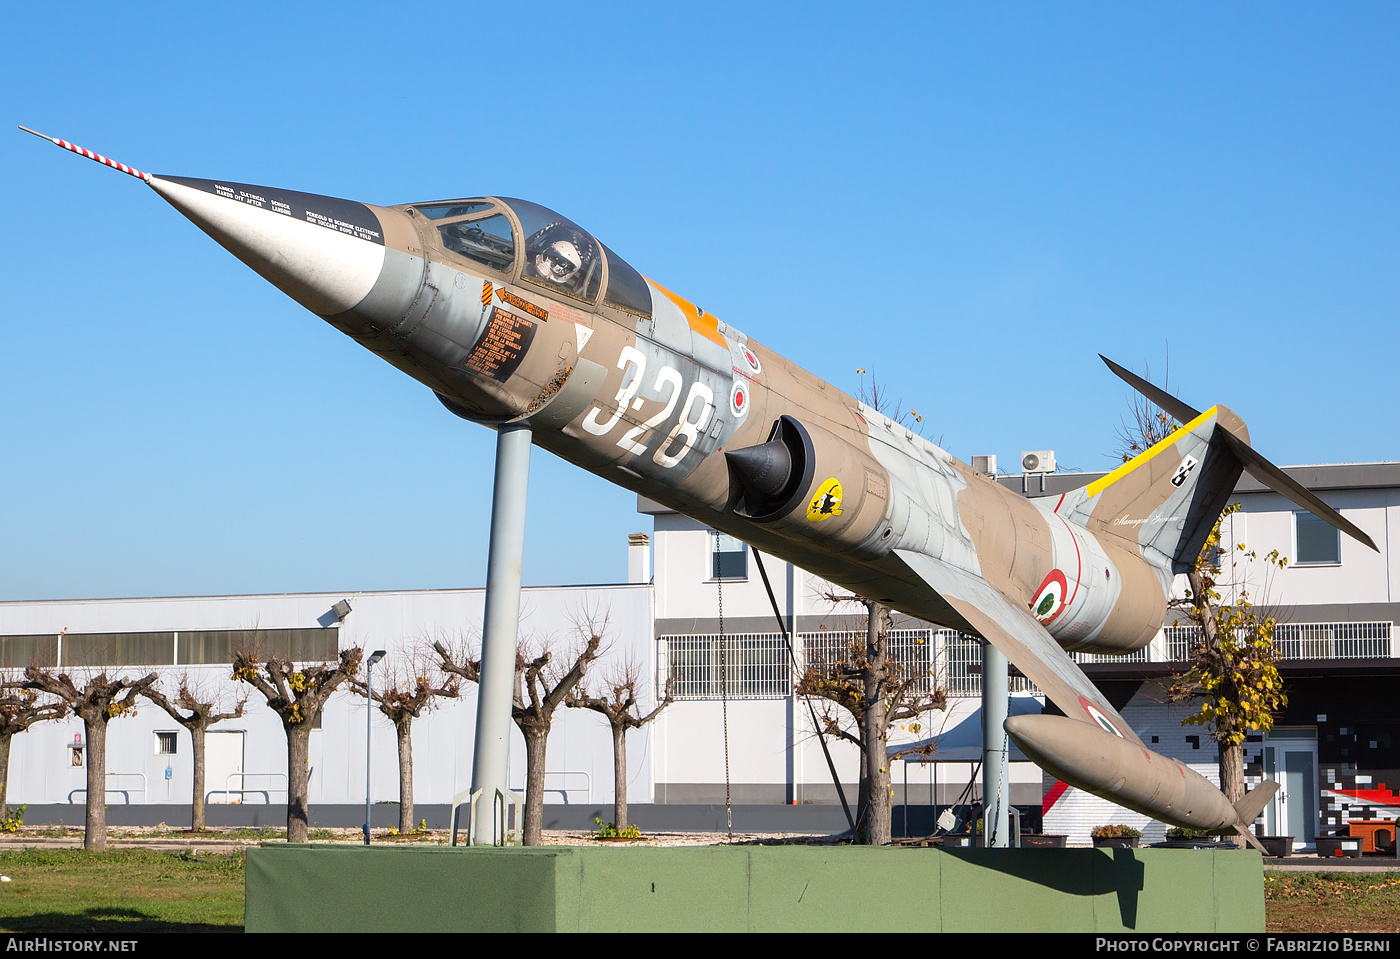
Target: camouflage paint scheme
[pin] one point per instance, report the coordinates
(641, 386)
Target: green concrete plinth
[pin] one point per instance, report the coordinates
(292, 888)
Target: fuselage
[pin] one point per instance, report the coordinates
(511, 313)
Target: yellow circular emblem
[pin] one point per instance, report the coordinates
(827, 502)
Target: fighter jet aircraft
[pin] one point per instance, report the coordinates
(511, 313)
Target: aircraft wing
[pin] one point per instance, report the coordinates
(1015, 632)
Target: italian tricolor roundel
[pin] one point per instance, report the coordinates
(1098, 717)
(1049, 600)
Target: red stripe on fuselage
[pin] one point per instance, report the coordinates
(1078, 559)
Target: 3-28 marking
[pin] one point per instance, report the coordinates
(691, 425)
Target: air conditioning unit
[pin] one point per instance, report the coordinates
(1038, 461)
(986, 465)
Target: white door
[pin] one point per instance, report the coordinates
(223, 766)
(1290, 759)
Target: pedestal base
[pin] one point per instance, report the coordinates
(751, 889)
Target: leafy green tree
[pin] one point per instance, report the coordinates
(1234, 668)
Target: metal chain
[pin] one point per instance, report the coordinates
(723, 689)
(812, 711)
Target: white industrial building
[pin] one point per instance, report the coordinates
(247, 756)
(1335, 746)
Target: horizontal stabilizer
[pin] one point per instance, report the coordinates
(1179, 410)
(1280, 482)
(1255, 464)
(1251, 805)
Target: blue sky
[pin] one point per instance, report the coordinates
(969, 200)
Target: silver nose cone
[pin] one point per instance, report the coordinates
(323, 252)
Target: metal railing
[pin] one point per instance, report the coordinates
(1332, 640)
(1138, 657)
(1301, 640)
(757, 664)
(564, 791)
(961, 672)
(125, 793)
(228, 789)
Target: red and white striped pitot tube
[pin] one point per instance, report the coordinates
(73, 147)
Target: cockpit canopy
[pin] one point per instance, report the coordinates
(551, 251)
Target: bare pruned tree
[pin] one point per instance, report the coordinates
(877, 396)
(616, 697)
(196, 708)
(541, 686)
(411, 685)
(96, 698)
(297, 696)
(20, 708)
(1145, 424)
(875, 688)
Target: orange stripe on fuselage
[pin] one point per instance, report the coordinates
(703, 323)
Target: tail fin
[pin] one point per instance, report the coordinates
(1228, 441)
(1167, 499)
(1250, 807)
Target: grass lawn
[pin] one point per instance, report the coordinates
(125, 890)
(1332, 902)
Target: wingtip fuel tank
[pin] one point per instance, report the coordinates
(1093, 759)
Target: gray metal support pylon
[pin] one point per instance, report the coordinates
(996, 792)
(500, 631)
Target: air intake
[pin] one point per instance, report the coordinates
(772, 476)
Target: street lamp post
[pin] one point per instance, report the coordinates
(374, 657)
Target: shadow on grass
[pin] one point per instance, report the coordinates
(102, 919)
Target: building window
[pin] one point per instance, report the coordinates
(910, 653)
(17, 652)
(119, 649)
(165, 744)
(729, 557)
(197, 647)
(1318, 542)
(755, 666)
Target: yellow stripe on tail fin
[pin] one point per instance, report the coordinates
(1165, 500)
